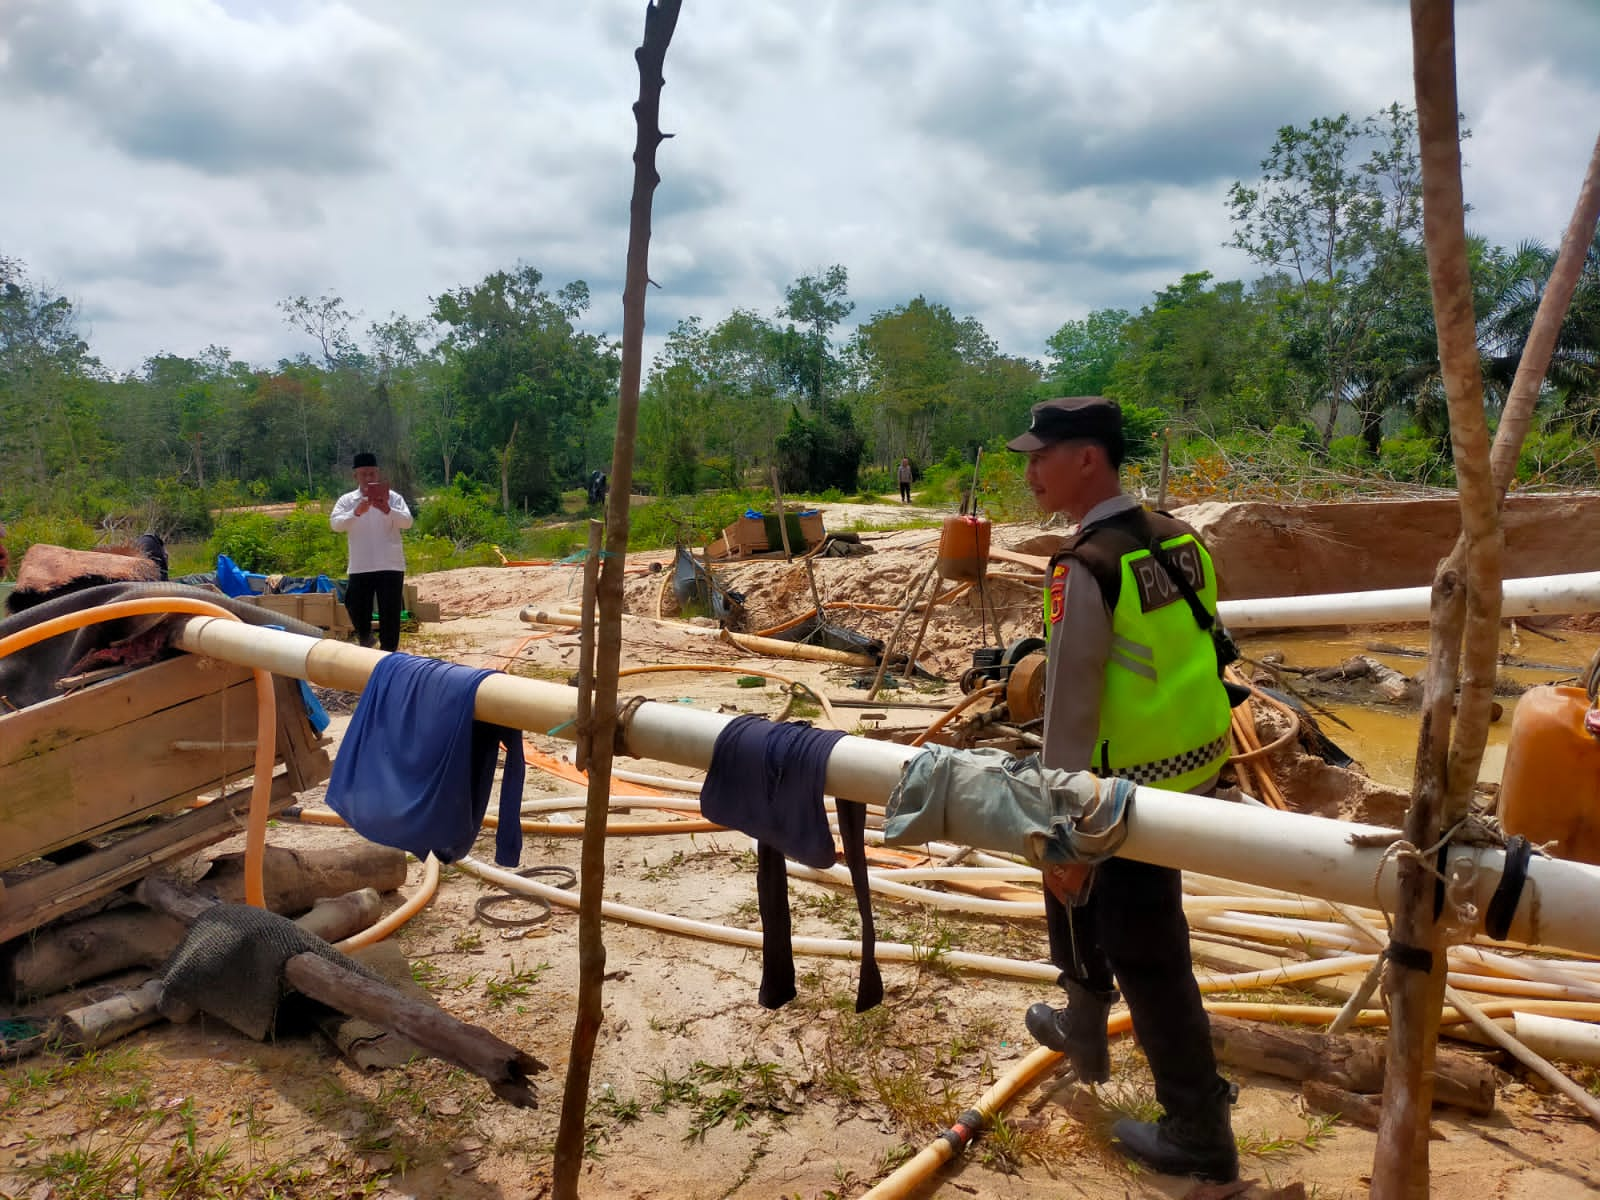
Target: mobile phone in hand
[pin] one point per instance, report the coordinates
(375, 491)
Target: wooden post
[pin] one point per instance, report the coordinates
(591, 576)
(922, 630)
(913, 594)
(783, 525)
(1166, 469)
(660, 19)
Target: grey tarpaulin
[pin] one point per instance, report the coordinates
(995, 801)
(230, 966)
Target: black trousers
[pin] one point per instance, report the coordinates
(388, 587)
(1132, 929)
(905, 493)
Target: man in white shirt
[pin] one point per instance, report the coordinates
(372, 516)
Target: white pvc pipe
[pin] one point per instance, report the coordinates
(1557, 1037)
(1313, 856)
(1545, 594)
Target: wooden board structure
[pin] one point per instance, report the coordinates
(134, 748)
(750, 536)
(324, 610)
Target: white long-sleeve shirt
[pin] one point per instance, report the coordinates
(374, 535)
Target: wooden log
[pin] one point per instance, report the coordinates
(502, 1065)
(115, 1017)
(98, 1024)
(338, 985)
(1353, 1063)
(1364, 1111)
(63, 956)
(294, 880)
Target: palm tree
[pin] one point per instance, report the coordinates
(1574, 374)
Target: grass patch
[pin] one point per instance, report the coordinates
(734, 1093)
(515, 986)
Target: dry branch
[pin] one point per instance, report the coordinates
(660, 19)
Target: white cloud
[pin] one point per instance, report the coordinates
(176, 167)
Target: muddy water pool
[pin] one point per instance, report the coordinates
(1383, 738)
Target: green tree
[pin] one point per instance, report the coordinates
(528, 377)
(1574, 374)
(1083, 353)
(1208, 352)
(1339, 209)
(820, 448)
(928, 382)
(50, 432)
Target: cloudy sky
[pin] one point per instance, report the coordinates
(177, 167)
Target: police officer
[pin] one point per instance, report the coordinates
(1132, 689)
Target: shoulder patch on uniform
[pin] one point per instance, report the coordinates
(1156, 588)
(1058, 590)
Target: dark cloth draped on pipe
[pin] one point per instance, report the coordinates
(29, 676)
(415, 769)
(767, 780)
(993, 800)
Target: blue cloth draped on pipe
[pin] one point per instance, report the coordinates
(415, 769)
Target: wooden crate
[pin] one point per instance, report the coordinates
(321, 609)
(89, 763)
(811, 528)
(747, 535)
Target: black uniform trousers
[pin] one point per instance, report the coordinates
(388, 587)
(1132, 929)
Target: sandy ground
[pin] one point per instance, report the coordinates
(696, 1091)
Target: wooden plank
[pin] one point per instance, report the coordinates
(122, 775)
(29, 903)
(73, 782)
(76, 767)
(130, 697)
(304, 757)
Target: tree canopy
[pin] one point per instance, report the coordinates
(500, 384)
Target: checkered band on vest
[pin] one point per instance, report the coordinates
(1179, 764)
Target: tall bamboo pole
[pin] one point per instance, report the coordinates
(660, 19)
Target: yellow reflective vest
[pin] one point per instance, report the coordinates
(1164, 714)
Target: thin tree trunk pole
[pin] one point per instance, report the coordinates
(1464, 629)
(1416, 994)
(660, 18)
(1553, 305)
(1445, 237)
(584, 743)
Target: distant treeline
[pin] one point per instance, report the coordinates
(1328, 357)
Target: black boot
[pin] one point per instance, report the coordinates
(1078, 1030)
(1198, 1143)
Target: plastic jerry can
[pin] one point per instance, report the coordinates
(963, 548)
(1550, 788)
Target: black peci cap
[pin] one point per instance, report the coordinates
(365, 458)
(1067, 418)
